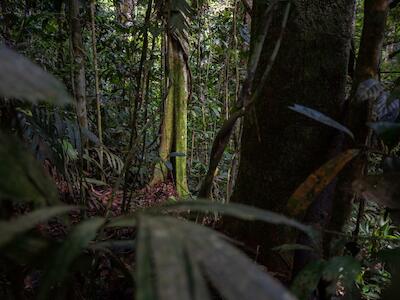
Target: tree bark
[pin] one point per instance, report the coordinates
(174, 128)
(125, 11)
(359, 113)
(278, 154)
(79, 63)
(96, 77)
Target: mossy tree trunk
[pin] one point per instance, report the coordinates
(280, 148)
(174, 127)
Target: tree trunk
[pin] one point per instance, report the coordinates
(174, 128)
(96, 78)
(79, 63)
(125, 10)
(359, 113)
(280, 148)
(180, 81)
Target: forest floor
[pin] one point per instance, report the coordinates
(105, 280)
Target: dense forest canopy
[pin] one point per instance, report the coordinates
(203, 149)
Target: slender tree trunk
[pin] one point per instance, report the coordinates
(279, 148)
(96, 76)
(79, 63)
(140, 74)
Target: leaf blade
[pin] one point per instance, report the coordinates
(320, 117)
(303, 196)
(11, 229)
(22, 79)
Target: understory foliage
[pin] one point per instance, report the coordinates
(81, 217)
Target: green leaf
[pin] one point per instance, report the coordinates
(206, 253)
(307, 280)
(240, 211)
(167, 253)
(9, 230)
(122, 221)
(292, 247)
(389, 132)
(146, 286)
(391, 257)
(119, 246)
(225, 265)
(22, 178)
(72, 247)
(95, 181)
(320, 117)
(22, 79)
(29, 249)
(344, 267)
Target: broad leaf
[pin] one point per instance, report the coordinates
(240, 211)
(29, 249)
(61, 260)
(167, 252)
(369, 89)
(146, 286)
(315, 183)
(320, 117)
(22, 79)
(234, 275)
(22, 178)
(292, 247)
(207, 254)
(307, 280)
(118, 246)
(122, 221)
(343, 268)
(385, 108)
(389, 132)
(10, 230)
(392, 259)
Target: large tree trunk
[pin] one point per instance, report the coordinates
(174, 128)
(79, 63)
(280, 148)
